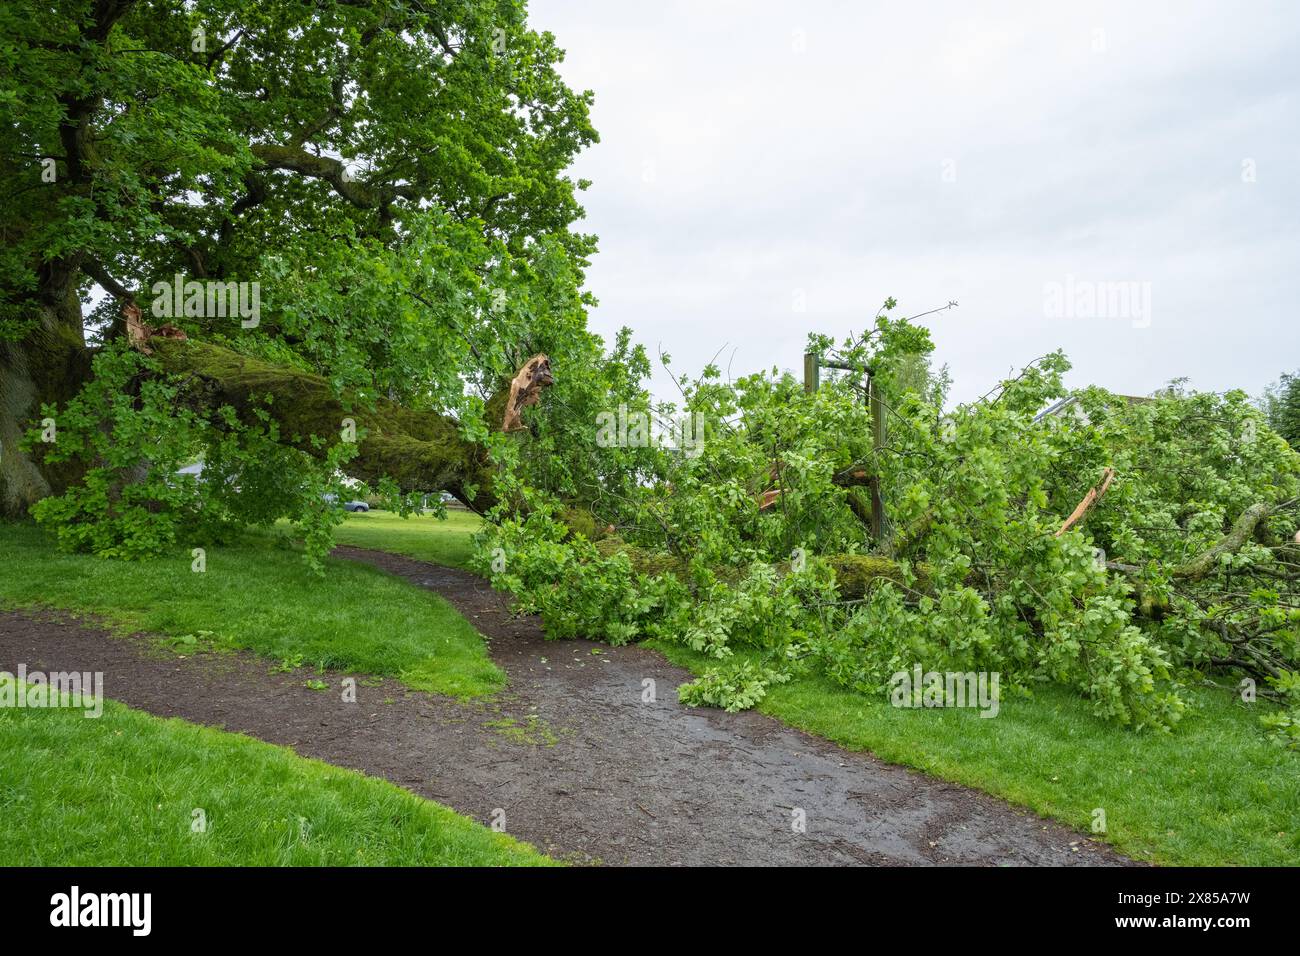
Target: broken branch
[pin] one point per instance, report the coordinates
(1089, 501)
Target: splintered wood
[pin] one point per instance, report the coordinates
(138, 332)
(526, 389)
(1089, 501)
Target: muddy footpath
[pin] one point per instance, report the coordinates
(573, 755)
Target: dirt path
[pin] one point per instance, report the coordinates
(580, 766)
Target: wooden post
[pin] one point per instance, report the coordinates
(811, 372)
(811, 380)
(877, 443)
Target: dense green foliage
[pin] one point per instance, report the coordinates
(1119, 607)
(1281, 403)
(132, 505)
(392, 177)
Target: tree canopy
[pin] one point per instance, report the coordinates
(1281, 403)
(385, 182)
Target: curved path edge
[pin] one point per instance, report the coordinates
(571, 757)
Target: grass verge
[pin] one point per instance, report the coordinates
(1215, 792)
(259, 596)
(123, 790)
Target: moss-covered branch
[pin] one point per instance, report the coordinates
(422, 451)
(1242, 530)
(854, 573)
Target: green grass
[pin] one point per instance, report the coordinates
(260, 596)
(421, 536)
(122, 789)
(1214, 792)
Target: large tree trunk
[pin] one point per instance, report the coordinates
(49, 365)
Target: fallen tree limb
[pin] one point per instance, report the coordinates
(861, 509)
(856, 475)
(854, 573)
(1242, 530)
(422, 451)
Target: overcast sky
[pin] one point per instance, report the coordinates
(757, 159)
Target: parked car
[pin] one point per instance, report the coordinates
(349, 505)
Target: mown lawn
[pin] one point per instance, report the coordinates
(260, 596)
(123, 790)
(1214, 792)
(419, 536)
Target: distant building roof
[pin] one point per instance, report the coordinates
(1055, 408)
(1070, 401)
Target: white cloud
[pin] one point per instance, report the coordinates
(750, 150)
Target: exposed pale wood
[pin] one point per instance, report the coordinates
(525, 390)
(1089, 501)
(139, 332)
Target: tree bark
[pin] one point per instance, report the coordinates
(1242, 529)
(422, 451)
(49, 365)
